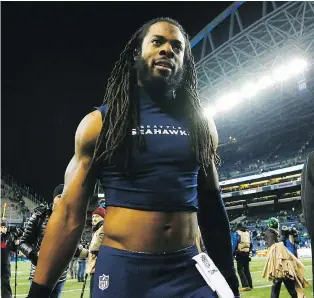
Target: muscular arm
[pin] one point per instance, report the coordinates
(213, 220)
(67, 222)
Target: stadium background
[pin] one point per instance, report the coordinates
(254, 67)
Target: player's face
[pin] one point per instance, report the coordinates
(162, 54)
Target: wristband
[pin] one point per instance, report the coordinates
(38, 290)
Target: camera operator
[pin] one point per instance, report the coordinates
(34, 232)
(290, 239)
(8, 244)
(6, 291)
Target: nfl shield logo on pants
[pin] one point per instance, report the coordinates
(103, 282)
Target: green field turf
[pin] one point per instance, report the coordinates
(73, 289)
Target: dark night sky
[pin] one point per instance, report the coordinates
(56, 59)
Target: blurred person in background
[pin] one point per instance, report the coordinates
(272, 234)
(98, 234)
(234, 238)
(32, 237)
(290, 239)
(242, 255)
(102, 203)
(6, 291)
(290, 268)
(73, 267)
(82, 261)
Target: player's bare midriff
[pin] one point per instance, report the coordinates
(149, 231)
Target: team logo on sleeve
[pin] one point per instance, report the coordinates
(103, 283)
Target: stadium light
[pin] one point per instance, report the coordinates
(228, 101)
(210, 112)
(264, 82)
(297, 65)
(281, 73)
(223, 104)
(250, 89)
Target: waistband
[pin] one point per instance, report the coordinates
(181, 254)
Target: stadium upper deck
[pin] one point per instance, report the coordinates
(249, 39)
(255, 75)
(277, 148)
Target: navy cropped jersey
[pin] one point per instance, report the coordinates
(165, 174)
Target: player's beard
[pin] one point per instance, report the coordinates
(157, 84)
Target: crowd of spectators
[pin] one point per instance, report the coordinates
(14, 203)
(264, 154)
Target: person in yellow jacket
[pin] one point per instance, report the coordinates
(97, 221)
(242, 256)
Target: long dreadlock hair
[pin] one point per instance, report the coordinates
(122, 104)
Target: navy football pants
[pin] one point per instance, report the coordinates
(126, 274)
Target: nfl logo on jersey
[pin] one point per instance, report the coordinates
(103, 283)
